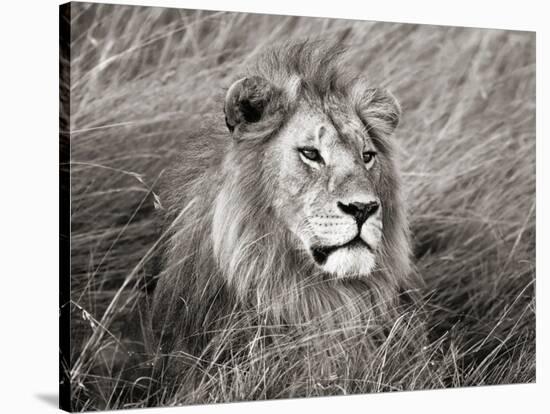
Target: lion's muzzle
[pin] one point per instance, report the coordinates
(344, 240)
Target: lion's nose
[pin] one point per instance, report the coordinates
(361, 211)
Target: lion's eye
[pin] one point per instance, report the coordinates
(368, 156)
(311, 154)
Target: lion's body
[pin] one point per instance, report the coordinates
(231, 267)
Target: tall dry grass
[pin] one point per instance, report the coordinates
(143, 77)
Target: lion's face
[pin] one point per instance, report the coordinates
(325, 166)
(326, 193)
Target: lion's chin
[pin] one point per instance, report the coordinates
(350, 262)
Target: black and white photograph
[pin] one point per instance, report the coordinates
(266, 206)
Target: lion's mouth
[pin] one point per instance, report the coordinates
(320, 254)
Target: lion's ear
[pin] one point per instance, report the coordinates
(379, 111)
(246, 101)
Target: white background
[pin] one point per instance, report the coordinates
(29, 203)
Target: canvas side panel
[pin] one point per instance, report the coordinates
(64, 208)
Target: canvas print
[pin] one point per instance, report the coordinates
(260, 206)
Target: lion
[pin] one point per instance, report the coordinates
(285, 213)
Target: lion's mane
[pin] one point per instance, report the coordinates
(227, 264)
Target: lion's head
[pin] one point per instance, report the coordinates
(293, 208)
(320, 140)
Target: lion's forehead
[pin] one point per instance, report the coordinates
(345, 119)
(342, 128)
